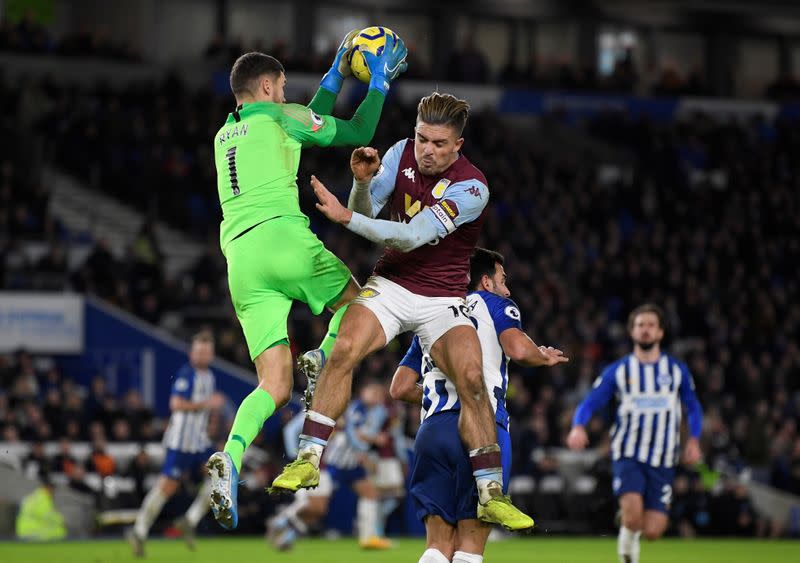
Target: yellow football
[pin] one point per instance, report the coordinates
(372, 39)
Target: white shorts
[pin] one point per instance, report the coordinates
(399, 310)
(389, 473)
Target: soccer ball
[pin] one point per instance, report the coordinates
(371, 39)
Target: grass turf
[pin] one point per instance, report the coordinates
(524, 550)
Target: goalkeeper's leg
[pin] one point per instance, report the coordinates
(312, 362)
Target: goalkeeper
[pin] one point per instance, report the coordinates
(273, 257)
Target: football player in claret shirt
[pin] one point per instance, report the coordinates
(437, 203)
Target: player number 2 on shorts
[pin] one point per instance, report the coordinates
(230, 154)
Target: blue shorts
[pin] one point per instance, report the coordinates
(176, 462)
(653, 483)
(346, 477)
(441, 475)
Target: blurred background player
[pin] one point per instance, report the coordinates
(186, 442)
(257, 154)
(391, 464)
(649, 387)
(441, 479)
(308, 507)
(437, 201)
(350, 461)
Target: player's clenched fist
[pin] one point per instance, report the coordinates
(364, 162)
(329, 205)
(577, 438)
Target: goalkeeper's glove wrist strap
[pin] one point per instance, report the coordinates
(332, 81)
(380, 83)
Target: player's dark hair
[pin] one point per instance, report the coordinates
(443, 109)
(252, 66)
(204, 335)
(483, 263)
(648, 308)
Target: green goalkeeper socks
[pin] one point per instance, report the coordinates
(333, 330)
(254, 410)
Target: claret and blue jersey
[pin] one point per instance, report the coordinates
(648, 420)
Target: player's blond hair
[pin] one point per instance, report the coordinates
(443, 109)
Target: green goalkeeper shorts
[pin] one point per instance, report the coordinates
(270, 266)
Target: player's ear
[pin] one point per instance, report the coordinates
(459, 142)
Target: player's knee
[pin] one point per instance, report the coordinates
(652, 534)
(280, 391)
(473, 383)
(344, 354)
(282, 396)
(632, 521)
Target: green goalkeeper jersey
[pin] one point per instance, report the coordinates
(257, 153)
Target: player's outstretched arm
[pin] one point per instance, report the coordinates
(401, 236)
(178, 403)
(598, 397)
(694, 417)
(405, 382)
(522, 350)
(331, 84)
(404, 386)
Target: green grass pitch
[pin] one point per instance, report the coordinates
(525, 550)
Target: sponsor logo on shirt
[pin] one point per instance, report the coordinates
(443, 217)
(648, 403)
(368, 292)
(450, 208)
(473, 190)
(439, 188)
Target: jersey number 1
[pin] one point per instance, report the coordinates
(230, 154)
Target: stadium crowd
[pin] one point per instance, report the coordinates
(699, 215)
(29, 36)
(466, 63)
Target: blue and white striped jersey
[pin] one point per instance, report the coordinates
(344, 448)
(648, 421)
(491, 314)
(187, 430)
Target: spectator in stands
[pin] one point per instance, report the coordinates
(139, 417)
(139, 469)
(468, 63)
(36, 462)
(65, 462)
(100, 461)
